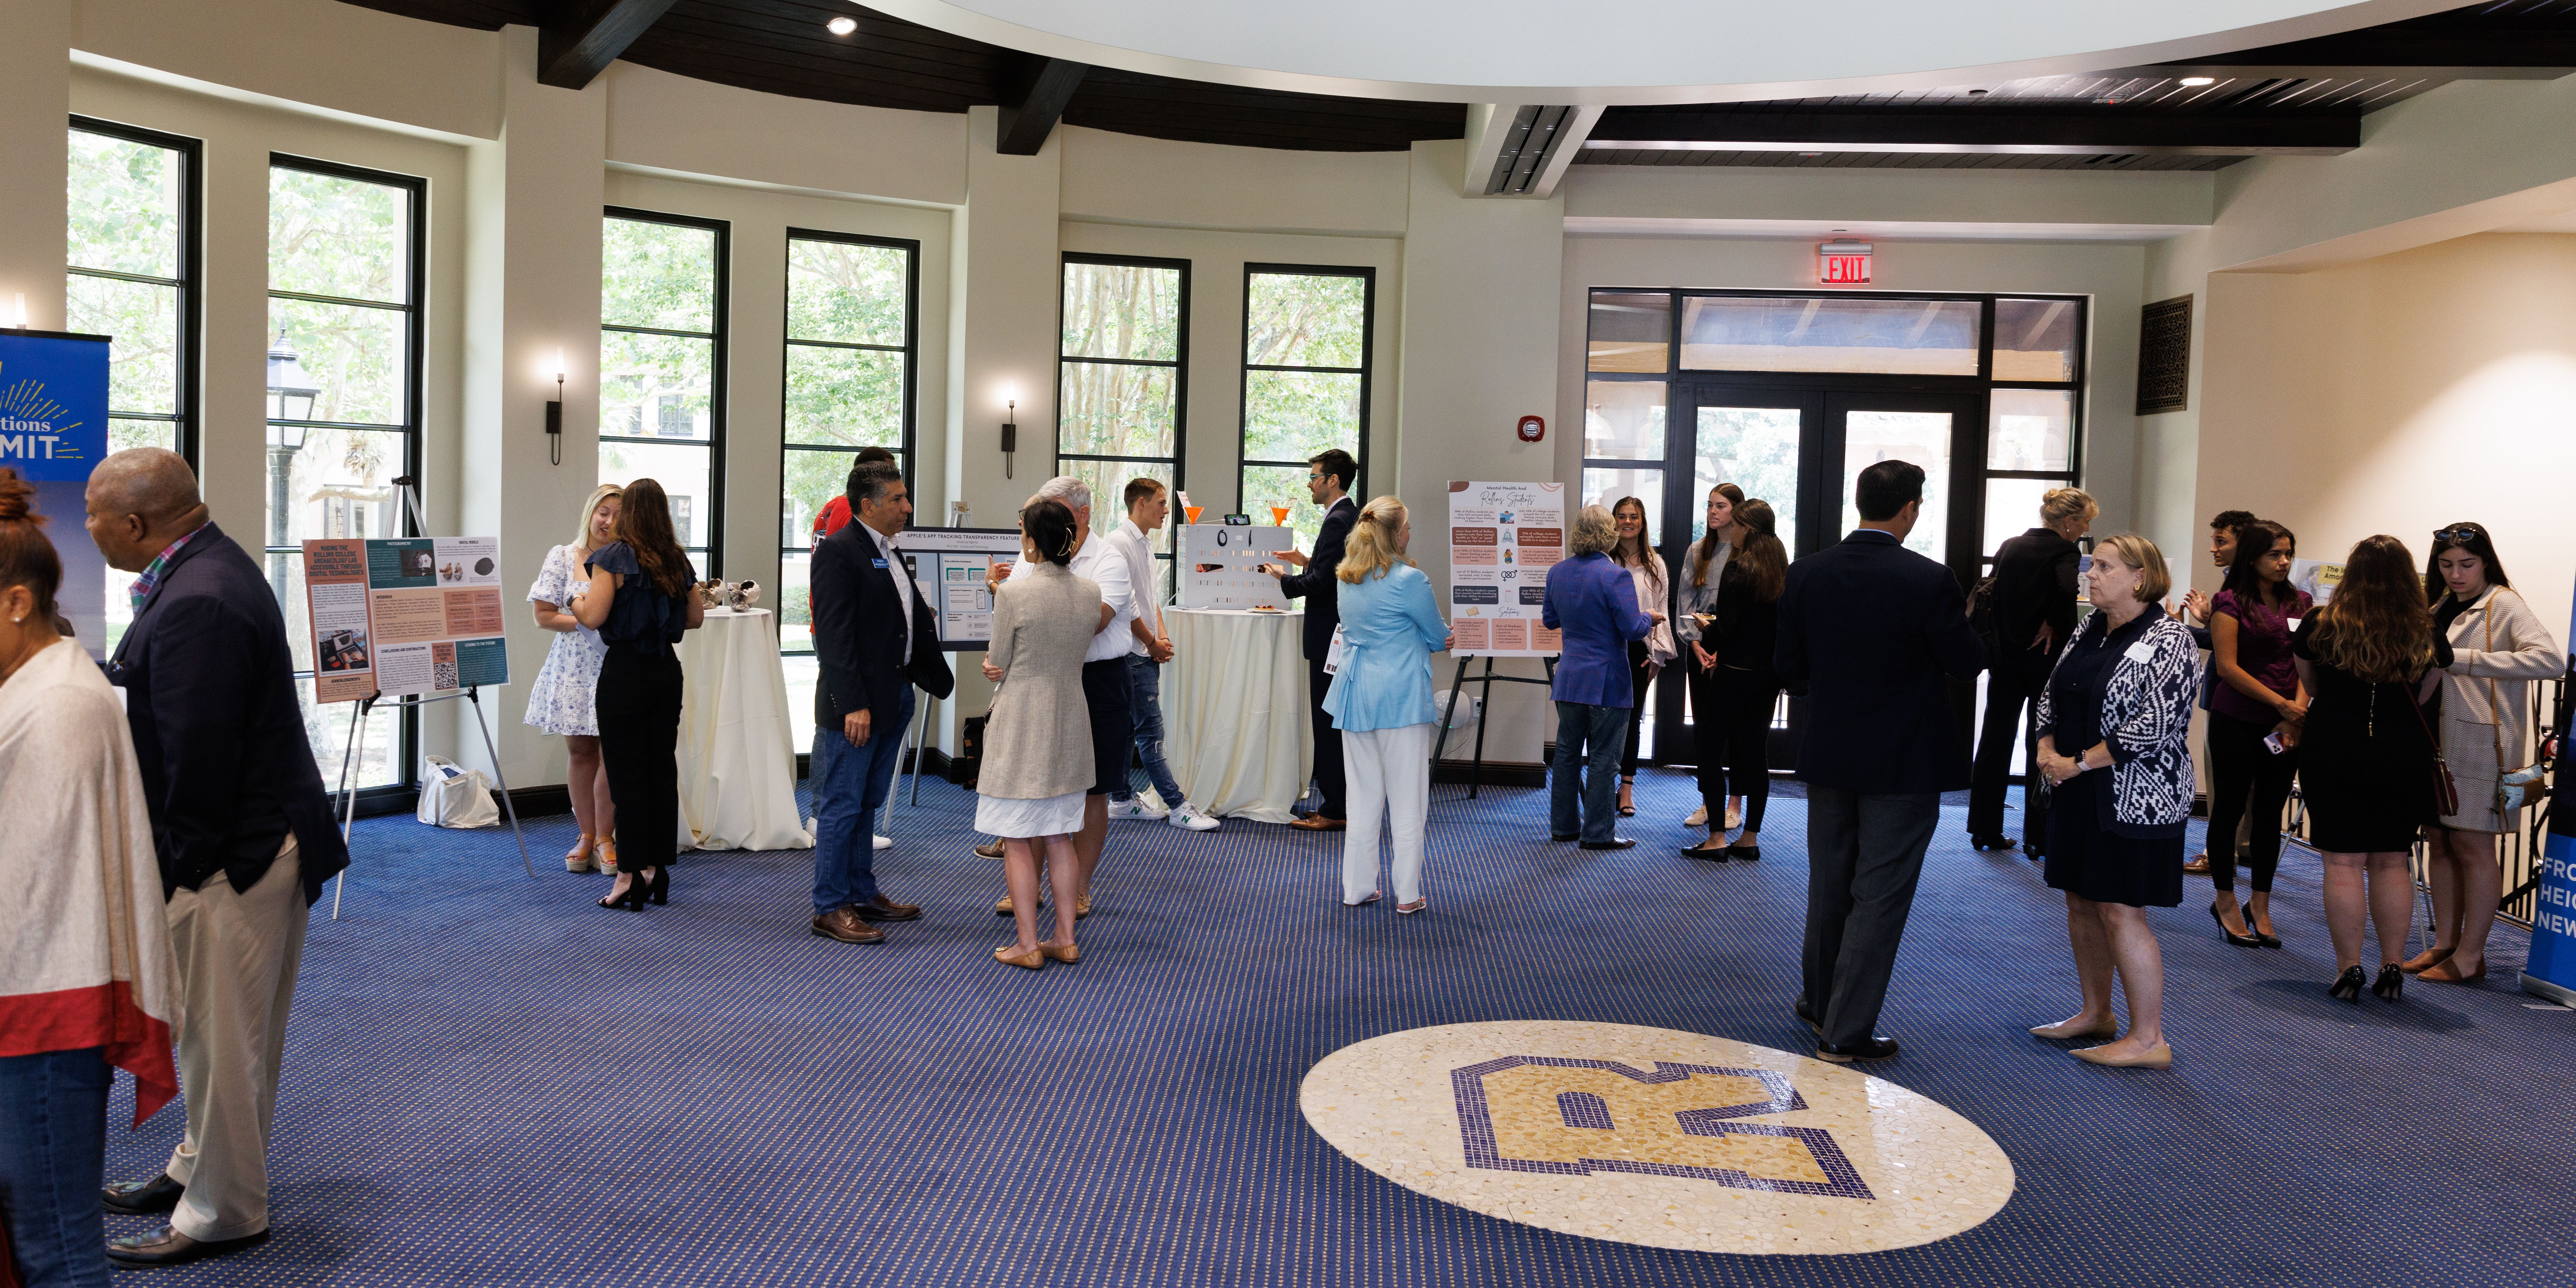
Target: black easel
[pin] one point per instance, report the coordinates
(1476, 767)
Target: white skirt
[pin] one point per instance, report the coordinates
(1051, 816)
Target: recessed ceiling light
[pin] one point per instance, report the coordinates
(1976, 91)
(842, 25)
(2199, 80)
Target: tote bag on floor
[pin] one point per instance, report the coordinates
(451, 796)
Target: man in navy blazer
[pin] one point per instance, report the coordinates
(243, 832)
(1328, 478)
(874, 638)
(1593, 603)
(1868, 632)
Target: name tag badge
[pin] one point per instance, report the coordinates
(2293, 624)
(2140, 651)
(880, 563)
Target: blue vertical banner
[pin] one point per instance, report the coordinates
(2551, 970)
(53, 432)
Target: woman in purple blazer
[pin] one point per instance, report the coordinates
(1594, 603)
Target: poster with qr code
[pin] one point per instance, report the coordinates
(404, 616)
(1503, 537)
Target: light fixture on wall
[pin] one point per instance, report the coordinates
(18, 318)
(1010, 426)
(554, 412)
(842, 25)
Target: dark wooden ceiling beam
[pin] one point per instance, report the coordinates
(1037, 101)
(2485, 53)
(584, 36)
(1758, 129)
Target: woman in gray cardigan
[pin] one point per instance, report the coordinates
(1037, 741)
(2498, 646)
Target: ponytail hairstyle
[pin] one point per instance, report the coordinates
(1370, 550)
(1706, 550)
(1048, 524)
(644, 524)
(2377, 626)
(26, 557)
(1763, 560)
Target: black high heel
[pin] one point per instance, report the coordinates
(2241, 941)
(2391, 981)
(2347, 986)
(631, 898)
(659, 889)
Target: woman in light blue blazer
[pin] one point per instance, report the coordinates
(1381, 700)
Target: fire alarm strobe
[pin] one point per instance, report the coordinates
(1533, 428)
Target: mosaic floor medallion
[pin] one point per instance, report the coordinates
(1674, 1140)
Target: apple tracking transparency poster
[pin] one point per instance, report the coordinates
(1503, 537)
(404, 616)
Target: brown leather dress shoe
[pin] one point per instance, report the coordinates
(843, 924)
(885, 909)
(168, 1247)
(1319, 823)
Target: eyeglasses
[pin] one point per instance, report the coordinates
(2461, 533)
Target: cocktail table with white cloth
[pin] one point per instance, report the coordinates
(737, 757)
(1235, 724)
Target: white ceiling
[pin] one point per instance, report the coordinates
(1640, 51)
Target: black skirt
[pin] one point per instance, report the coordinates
(2089, 860)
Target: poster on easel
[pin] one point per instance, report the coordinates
(53, 432)
(948, 567)
(1220, 566)
(1503, 538)
(404, 616)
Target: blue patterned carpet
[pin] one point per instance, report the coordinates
(489, 1081)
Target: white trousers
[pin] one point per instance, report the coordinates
(237, 953)
(1389, 771)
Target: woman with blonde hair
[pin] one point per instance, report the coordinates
(564, 697)
(1381, 701)
(1593, 602)
(2369, 768)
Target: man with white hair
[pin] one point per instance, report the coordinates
(1104, 675)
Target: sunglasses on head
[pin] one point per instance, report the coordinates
(2463, 533)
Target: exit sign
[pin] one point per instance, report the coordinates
(1843, 263)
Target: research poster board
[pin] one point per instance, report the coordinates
(948, 567)
(404, 616)
(53, 432)
(2316, 577)
(1221, 565)
(1503, 537)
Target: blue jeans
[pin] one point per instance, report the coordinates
(53, 1158)
(1589, 741)
(1145, 707)
(850, 785)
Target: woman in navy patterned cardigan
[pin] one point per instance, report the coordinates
(2114, 723)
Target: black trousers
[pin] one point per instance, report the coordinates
(1637, 713)
(2243, 770)
(639, 746)
(1745, 701)
(2007, 693)
(1864, 858)
(1328, 745)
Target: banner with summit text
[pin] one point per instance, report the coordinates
(2551, 970)
(53, 432)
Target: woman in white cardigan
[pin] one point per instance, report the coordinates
(87, 981)
(2498, 646)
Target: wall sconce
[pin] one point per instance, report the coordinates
(19, 318)
(554, 412)
(1010, 426)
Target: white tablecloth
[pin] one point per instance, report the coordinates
(737, 764)
(1235, 724)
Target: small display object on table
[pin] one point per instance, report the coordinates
(1221, 566)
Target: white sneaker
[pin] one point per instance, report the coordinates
(1190, 818)
(1698, 818)
(1135, 807)
(885, 842)
(1734, 817)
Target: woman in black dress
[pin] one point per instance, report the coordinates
(642, 596)
(2366, 762)
(1737, 724)
(2114, 743)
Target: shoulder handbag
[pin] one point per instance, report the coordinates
(2446, 789)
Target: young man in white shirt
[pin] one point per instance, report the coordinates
(1148, 504)
(1104, 675)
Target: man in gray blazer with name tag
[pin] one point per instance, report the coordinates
(1871, 633)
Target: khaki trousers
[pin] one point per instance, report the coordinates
(237, 953)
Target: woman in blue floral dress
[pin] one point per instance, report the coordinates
(561, 700)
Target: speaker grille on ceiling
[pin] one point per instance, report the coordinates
(2164, 355)
(1537, 132)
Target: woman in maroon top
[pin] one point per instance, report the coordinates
(2257, 696)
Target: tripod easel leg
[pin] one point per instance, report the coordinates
(474, 696)
(349, 806)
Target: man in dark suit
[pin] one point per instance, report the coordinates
(1328, 478)
(242, 829)
(875, 639)
(2033, 601)
(1868, 631)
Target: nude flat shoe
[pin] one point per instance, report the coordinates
(1060, 952)
(2159, 1056)
(2060, 1033)
(1009, 955)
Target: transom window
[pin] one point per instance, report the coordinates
(661, 367)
